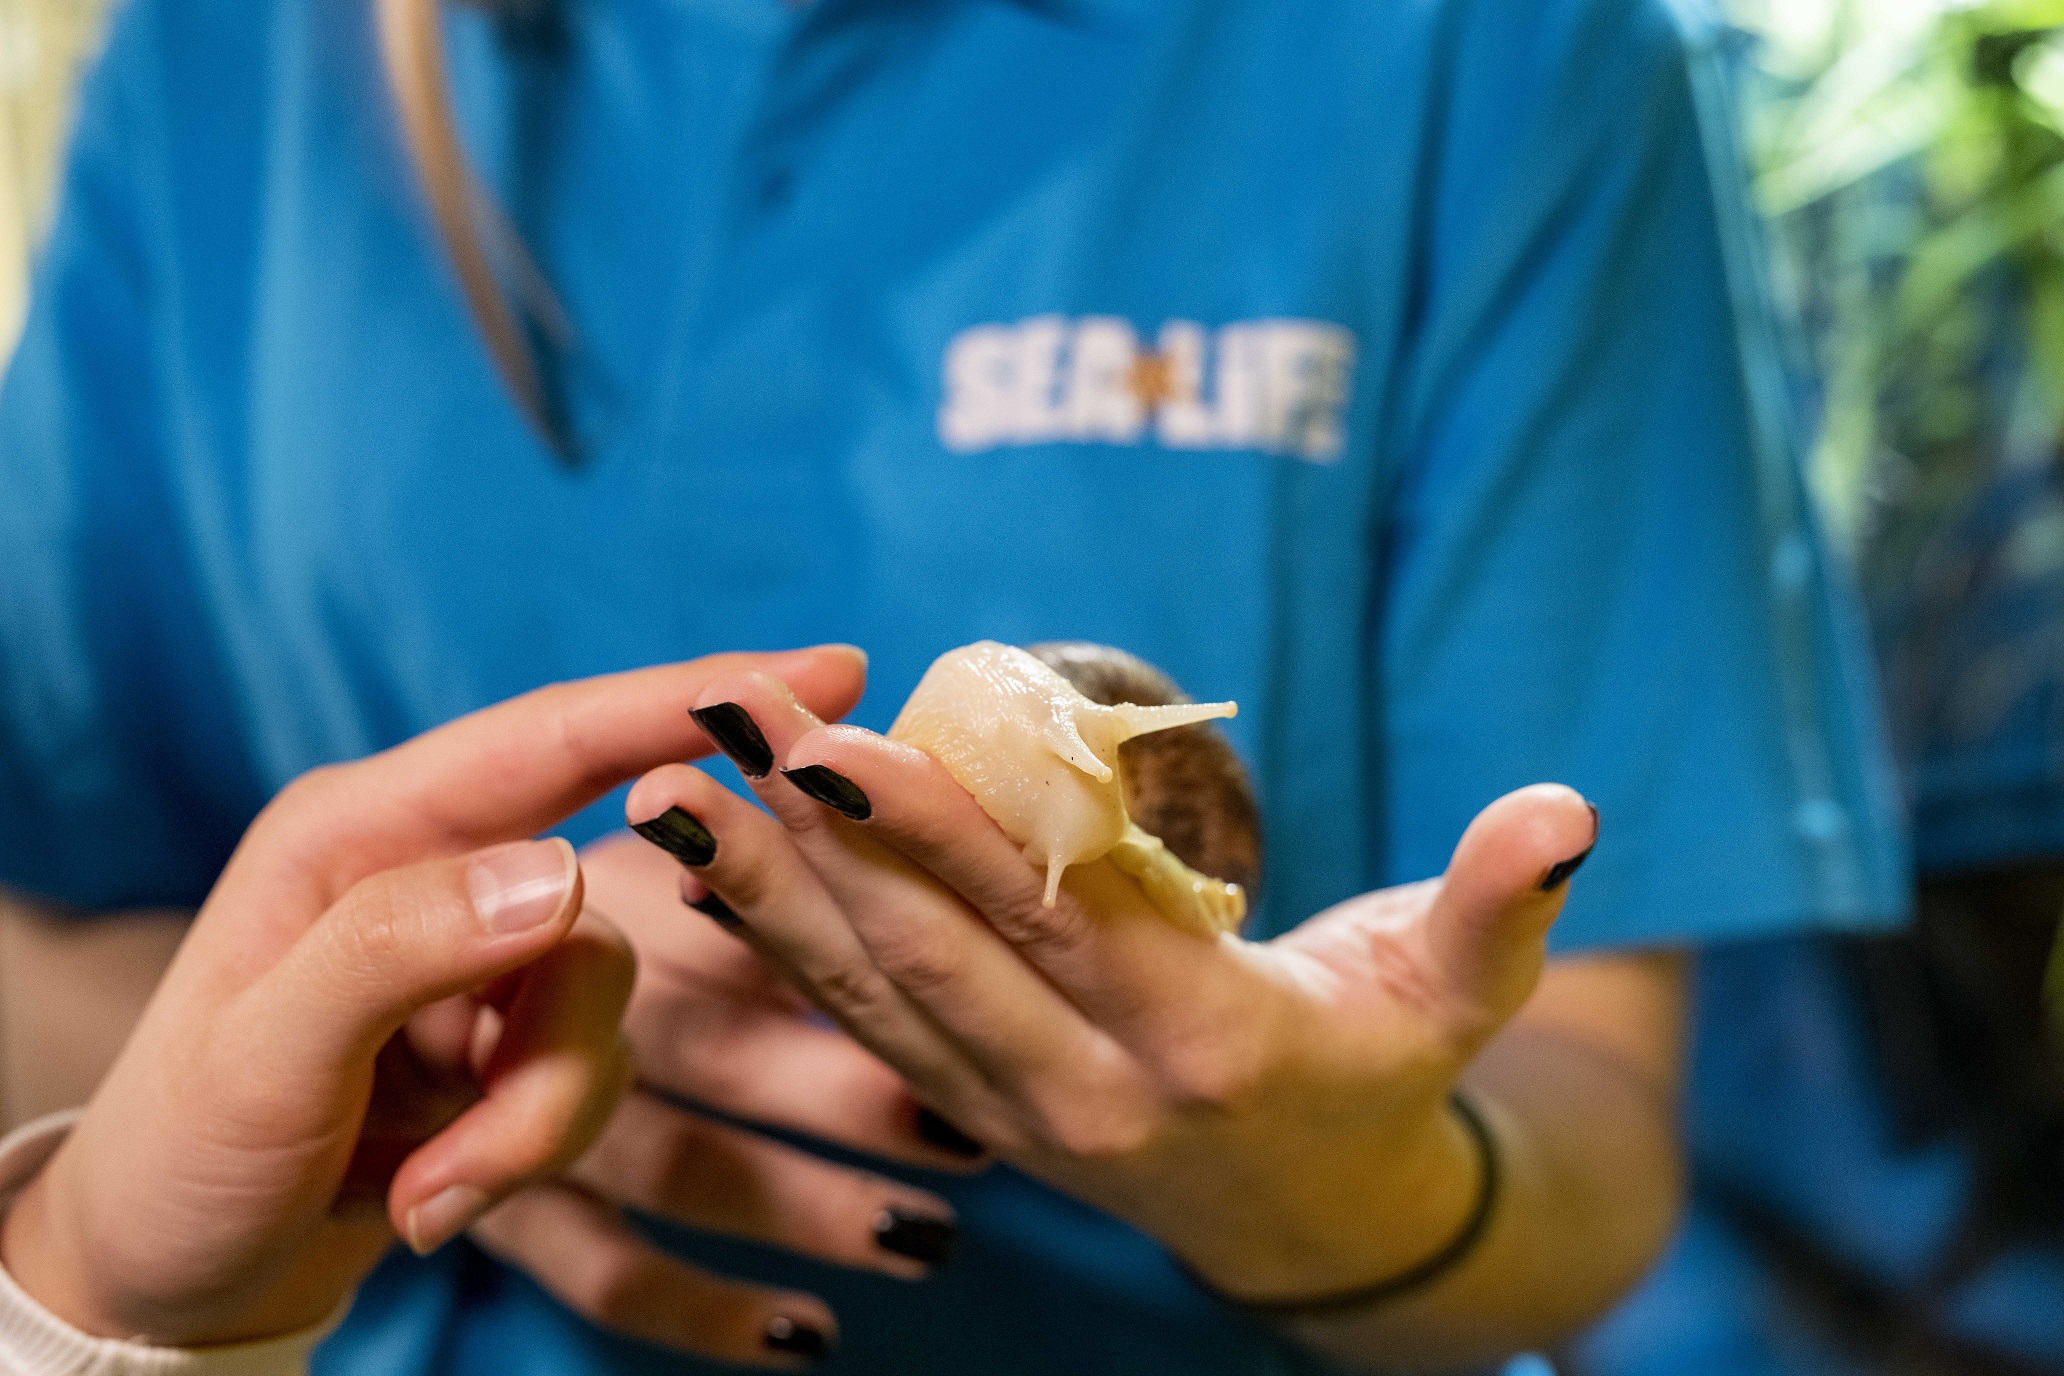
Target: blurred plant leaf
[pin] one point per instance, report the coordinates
(1943, 262)
(2053, 985)
(1875, 106)
(1895, 123)
(2046, 333)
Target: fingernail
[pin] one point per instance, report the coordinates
(797, 1338)
(681, 834)
(832, 789)
(520, 885)
(718, 911)
(737, 735)
(1560, 872)
(921, 1237)
(442, 1217)
(936, 1130)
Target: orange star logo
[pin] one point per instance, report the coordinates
(1154, 381)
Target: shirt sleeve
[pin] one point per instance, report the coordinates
(1603, 568)
(113, 748)
(35, 1342)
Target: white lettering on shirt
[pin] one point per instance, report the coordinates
(1279, 386)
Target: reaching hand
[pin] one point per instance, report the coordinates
(389, 1014)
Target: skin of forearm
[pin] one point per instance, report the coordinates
(1584, 1116)
(70, 991)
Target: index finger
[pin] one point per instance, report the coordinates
(514, 769)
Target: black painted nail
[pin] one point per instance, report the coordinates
(1560, 872)
(681, 834)
(832, 789)
(719, 912)
(936, 1130)
(737, 735)
(921, 1237)
(798, 1339)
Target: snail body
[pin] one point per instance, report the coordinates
(1043, 760)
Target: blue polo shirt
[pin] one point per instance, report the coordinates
(1394, 368)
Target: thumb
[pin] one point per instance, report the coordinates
(405, 938)
(1486, 932)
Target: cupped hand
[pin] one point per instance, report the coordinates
(1276, 1113)
(389, 1014)
(711, 1026)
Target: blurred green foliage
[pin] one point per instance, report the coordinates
(1916, 179)
(1910, 158)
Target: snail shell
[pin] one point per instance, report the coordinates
(1185, 785)
(1045, 761)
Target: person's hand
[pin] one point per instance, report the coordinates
(1275, 1113)
(711, 1025)
(389, 1014)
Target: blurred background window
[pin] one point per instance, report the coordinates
(43, 44)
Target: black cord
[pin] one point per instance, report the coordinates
(1434, 1267)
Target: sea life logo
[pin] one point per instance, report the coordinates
(1278, 386)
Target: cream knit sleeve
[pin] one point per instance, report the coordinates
(35, 1342)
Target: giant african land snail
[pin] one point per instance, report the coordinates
(1078, 752)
